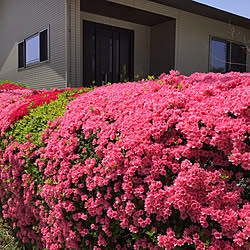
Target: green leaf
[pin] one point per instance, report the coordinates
(180, 86)
(224, 176)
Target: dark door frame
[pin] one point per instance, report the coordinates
(90, 28)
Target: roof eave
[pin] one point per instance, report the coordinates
(207, 11)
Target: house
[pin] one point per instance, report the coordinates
(73, 43)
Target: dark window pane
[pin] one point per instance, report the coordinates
(104, 50)
(218, 56)
(124, 56)
(107, 55)
(116, 56)
(44, 45)
(21, 54)
(89, 54)
(238, 58)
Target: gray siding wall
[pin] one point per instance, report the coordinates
(73, 43)
(18, 21)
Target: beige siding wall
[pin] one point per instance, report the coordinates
(21, 19)
(193, 43)
(193, 33)
(162, 47)
(141, 40)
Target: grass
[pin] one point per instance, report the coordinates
(7, 240)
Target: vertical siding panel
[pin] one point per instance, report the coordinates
(74, 43)
(78, 45)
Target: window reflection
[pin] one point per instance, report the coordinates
(227, 56)
(218, 56)
(238, 57)
(32, 50)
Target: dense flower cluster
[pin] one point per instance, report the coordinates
(156, 164)
(9, 86)
(17, 102)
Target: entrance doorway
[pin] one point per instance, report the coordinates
(108, 54)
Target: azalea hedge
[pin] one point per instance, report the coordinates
(157, 164)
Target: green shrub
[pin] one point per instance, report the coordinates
(158, 164)
(36, 122)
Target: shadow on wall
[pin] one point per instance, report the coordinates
(37, 76)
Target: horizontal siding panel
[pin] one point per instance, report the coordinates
(27, 17)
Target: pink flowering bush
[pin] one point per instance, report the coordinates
(158, 164)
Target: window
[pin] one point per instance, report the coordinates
(226, 56)
(33, 49)
(218, 57)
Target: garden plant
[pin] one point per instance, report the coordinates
(156, 164)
